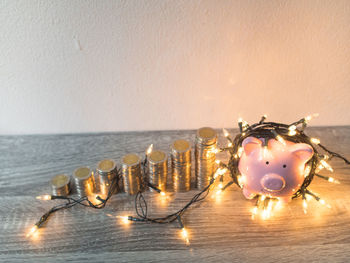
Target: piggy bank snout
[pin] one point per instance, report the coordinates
(273, 182)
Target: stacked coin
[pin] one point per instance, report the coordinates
(181, 165)
(84, 181)
(107, 171)
(131, 171)
(60, 185)
(205, 145)
(157, 169)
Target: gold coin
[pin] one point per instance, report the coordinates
(181, 145)
(207, 133)
(60, 180)
(157, 156)
(82, 172)
(106, 165)
(131, 159)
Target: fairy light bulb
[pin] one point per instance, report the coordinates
(241, 180)
(292, 130)
(219, 192)
(184, 234)
(229, 144)
(307, 171)
(44, 197)
(254, 212)
(332, 180)
(124, 219)
(240, 151)
(315, 141)
(220, 171)
(32, 231)
(226, 133)
(162, 193)
(220, 185)
(310, 117)
(305, 206)
(326, 165)
(149, 149)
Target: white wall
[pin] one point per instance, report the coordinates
(85, 66)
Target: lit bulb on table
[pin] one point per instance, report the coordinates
(44, 197)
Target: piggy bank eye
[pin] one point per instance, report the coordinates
(284, 166)
(267, 162)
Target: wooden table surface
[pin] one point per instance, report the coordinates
(220, 229)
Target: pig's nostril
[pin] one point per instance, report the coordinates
(273, 182)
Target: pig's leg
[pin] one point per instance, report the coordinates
(248, 194)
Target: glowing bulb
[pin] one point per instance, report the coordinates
(149, 149)
(262, 197)
(240, 120)
(162, 194)
(309, 118)
(226, 134)
(221, 186)
(315, 141)
(185, 235)
(125, 219)
(307, 170)
(265, 152)
(44, 197)
(32, 231)
(240, 151)
(280, 139)
(326, 165)
(292, 133)
(332, 180)
(229, 144)
(216, 150)
(220, 171)
(305, 206)
(241, 180)
(219, 192)
(292, 128)
(217, 161)
(254, 212)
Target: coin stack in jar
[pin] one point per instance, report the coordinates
(107, 171)
(205, 145)
(181, 165)
(84, 181)
(131, 172)
(157, 169)
(60, 185)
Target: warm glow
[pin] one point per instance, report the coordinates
(125, 219)
(332, 180)
(162, 194)
(265, 152)
(241, 180)
(220, 186)
(254, 212)
(220, 171)
(307, 170)
(229, 144)
(185, 235)
(44, 197)
(217, 161)
(305, 206)
(315, 141)
(280, 139)
(32, 231)
(240, 151)
(149, 149)
(226, 133)
(310, 117)
(219, 192)
(326, 165)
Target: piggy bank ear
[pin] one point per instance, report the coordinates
(251, 144)
(303, 151)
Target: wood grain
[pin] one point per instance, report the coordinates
(220, 229)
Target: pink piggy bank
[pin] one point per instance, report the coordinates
(277, 171)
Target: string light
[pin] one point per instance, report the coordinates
(304, 206)
(44, 197)
(226, 133)
(292, 130)
(315, 141)
(32, 231)
(263, 130)
(149, 149)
